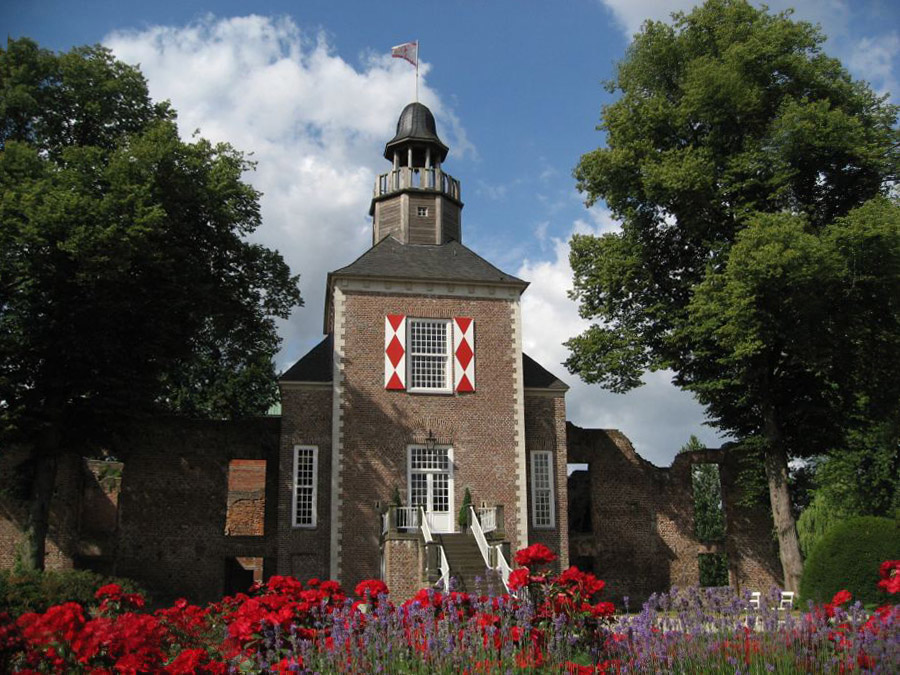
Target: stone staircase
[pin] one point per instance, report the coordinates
(466, 563)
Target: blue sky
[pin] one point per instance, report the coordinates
(308, 86)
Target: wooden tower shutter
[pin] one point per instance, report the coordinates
(464, 354)
(395, 351)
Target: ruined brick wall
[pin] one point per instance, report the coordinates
(641, 537)
(173, 504)
(379, 425)
(306, 420)
(545, 429)
(62, 537)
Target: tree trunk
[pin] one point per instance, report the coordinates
(42, 485)
(780, 499)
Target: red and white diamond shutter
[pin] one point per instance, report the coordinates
(395, 351)
(464, 354)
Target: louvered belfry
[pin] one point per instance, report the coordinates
(416, 201)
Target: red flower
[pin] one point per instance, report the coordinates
(371, 588)
(890, 576)
(518, 578)
(536, 554)
(841, 597)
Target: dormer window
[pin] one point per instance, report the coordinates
(422, 211)
(429, 355)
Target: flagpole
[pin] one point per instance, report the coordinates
(417, 71)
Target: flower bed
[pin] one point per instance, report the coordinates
(556, 623)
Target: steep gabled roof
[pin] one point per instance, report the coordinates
(451, 262)
(316, 366)
(535, 376)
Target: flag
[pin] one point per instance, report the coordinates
(408, 51)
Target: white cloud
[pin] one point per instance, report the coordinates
(874, 59)
(658, 417)
(315, 123)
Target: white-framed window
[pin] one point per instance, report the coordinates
(428, 358)
(422, 212)
(303, 504)
(542, 502)
(430, 480)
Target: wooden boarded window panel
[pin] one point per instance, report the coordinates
(395, 352)
(464, 354)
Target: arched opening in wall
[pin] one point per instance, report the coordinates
(241, 573)
(246, 500)
(580, 503)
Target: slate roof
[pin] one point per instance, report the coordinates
(316, 366)
(416, 123)
(451, 262)
(535, 376)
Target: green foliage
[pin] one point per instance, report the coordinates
(395, 497)
(816, 519)
(128, 285)
(759, 255)
(464, 518)
(22, 591)
(692, 445)
(848, 557)
(709, 514)
(863, 478)
(713, 569)
(126, 279)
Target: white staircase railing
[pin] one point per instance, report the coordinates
(502, 566)
(429, 539)
(480, 538)
(487, 517)
(479, 527)
(404, 517)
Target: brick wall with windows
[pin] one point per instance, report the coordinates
(303, 551)
(545, 432)
(174, 500)
(379, 425)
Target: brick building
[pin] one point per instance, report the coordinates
(418, 395)
(420, 389)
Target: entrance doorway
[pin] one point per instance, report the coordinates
(431, 485)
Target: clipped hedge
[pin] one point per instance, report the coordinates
(848, 557)
(22, 592)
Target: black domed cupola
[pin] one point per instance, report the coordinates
(416, 202)
(416, 130)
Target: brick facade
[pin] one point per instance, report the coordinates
(379, 425)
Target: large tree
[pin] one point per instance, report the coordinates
(759, 257)
(127, 284)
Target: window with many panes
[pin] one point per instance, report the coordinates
(428, 354)
(429, 478)
(305, 471)
(542, 507)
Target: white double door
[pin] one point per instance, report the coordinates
(431, 485)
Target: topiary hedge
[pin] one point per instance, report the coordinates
(22, 592)
(848, 557)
